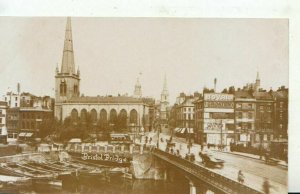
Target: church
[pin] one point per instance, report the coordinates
(133, 113)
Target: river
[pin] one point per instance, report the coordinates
(115, 186)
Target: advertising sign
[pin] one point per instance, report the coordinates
(213, 104)
(218, 97)
(214, 127)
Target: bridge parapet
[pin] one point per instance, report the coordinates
(216, 180)
(125, 149)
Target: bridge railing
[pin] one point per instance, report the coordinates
(216, 180)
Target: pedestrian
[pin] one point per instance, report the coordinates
(266, 186)
(241, 177)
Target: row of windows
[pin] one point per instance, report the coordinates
(189, 109)
(249, 115)
(35, 116)
(245, 105)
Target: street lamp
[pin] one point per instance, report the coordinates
(189, 137)
(261, 136)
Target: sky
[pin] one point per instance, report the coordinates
(112, 52)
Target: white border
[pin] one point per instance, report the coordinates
(193, 8)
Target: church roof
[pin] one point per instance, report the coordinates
(105, 99)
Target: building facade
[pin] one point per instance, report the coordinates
(245, 110)
(215, 119)
(3, 109)
(31, 120)
(281, 113)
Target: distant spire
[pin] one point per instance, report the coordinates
(165, 83)
(68, 65)
(137, 89)
(257, 76)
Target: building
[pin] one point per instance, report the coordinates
(115, 112)
(281, 113)
(31, 119)
(214, 119)
(13, 122)
(12, 99)
(3, 129)
(245, 109)
(264, 120)
(184, 113)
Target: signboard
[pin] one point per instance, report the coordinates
(214, 127)
(214, 104)
(218, 97)
(105, 157)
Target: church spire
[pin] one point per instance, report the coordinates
(165, 84)
(68, 65)
(257, 76)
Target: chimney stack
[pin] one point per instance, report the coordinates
(215, 85)
(18, 88)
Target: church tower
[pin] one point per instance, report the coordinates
(257, 82)
(164, 101)
(67, 80)
(137, 89)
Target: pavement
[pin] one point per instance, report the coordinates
(254, 169)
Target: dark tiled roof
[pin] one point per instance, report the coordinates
(281, 94)
(105, 99)
(243, 94)
(263, 96)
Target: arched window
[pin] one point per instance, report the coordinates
(93, 116)
(133, 116)
(74, 115)
(103, 119)
(63, 88)
(83, 115)
(122, 119)
(75, 89)
(113, 116)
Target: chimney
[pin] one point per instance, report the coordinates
(215, 85)
(18, 88)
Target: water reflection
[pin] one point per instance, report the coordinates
(118, 186)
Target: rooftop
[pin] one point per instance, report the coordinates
(106, 99)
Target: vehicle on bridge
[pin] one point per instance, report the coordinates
(271, 161)
(210, 161)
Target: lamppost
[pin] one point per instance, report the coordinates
(189, 137)
(261, 136)
(158, 132)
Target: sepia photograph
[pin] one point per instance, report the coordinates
(141, 105)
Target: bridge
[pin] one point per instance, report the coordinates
(196, 173)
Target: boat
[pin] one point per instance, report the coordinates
(127, 175)
(49, 182)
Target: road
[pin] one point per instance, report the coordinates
(255, 170)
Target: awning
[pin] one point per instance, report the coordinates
(177, 130)
(187, 130)
(28, 134)
(22, 134)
